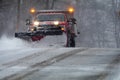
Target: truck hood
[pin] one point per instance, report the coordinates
(52, 23)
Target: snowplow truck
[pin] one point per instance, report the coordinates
(50, 22)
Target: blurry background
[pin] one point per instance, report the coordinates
(97, 20)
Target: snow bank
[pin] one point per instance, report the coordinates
(12, 43)
(48, 41)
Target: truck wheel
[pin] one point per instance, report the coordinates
(16, 35)
(72, 42)
(70, 39)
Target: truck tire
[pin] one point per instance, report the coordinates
(16, 35)
(70, 39)
(72, 42)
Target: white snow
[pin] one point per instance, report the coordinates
(52, 41)
(48, 41)
(12, 43)
(11, 70)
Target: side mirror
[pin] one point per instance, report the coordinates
(73, 20)
(28, 22)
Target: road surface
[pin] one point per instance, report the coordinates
(59, 64)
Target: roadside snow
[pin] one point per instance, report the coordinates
(12, 43)
(16, 43)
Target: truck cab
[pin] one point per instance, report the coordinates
(49, 23)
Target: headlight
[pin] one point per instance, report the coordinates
(36, 23)
(56, 23)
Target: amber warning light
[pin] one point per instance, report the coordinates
(71, 10)
(32, 10)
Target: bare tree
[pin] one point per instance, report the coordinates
(116, 21)
(49, 4)
(0, 3)
(53, 3)
(18, 14)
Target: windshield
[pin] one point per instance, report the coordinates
(51, 17)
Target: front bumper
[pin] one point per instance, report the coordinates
(39, 33)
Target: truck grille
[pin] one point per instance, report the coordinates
(48, 27)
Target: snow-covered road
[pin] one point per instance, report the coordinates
(20, 60)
